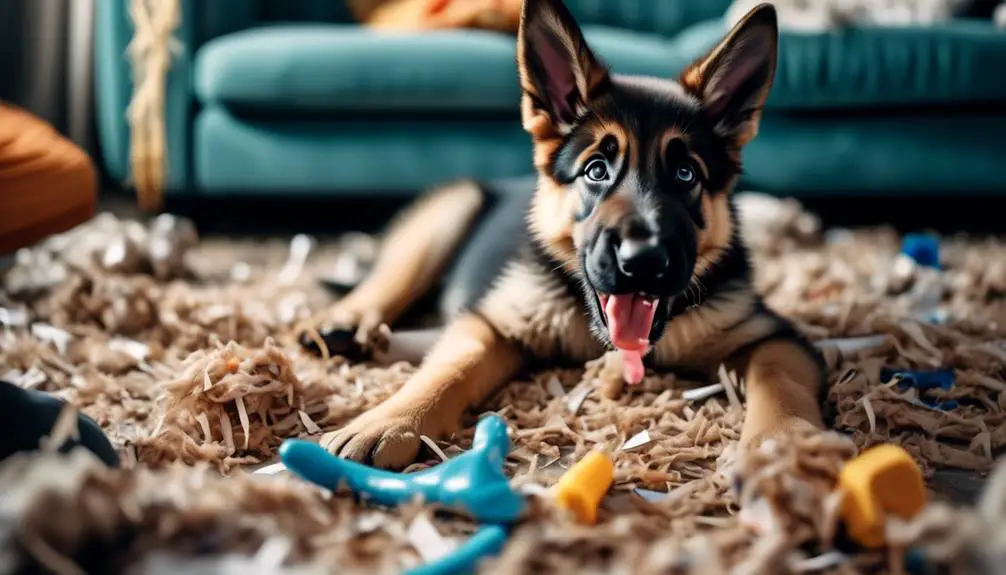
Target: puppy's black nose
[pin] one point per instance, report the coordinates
(642, 257)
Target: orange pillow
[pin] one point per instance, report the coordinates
(498, 15)
(47, 184)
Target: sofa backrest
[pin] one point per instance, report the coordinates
(217, 18)
(667, 17)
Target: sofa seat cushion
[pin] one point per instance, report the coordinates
(331, 67)
(868, 155)
(957, 62)
(238, 155)
(865, 155)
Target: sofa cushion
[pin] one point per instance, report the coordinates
(238, 155)
(343, 67)
(868, 155)
(792, 155)
(955, 62)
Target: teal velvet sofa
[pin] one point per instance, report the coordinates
(271, 96)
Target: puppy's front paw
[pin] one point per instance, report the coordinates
(383, 437)
(346, 333)
(795, 448)
(784, 430)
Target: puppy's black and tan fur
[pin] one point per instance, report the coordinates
(630, 218)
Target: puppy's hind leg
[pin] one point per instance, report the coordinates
(491, 244)
(416, 249)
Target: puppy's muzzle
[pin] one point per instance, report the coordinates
(642, 257)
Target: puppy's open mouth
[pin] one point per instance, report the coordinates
(629, 318)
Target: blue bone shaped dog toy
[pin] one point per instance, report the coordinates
(472, 482)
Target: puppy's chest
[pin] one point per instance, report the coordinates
(544, 316)
(539, 313)
(705, 336)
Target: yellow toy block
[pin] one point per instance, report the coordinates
(581, 489)
(882, 481)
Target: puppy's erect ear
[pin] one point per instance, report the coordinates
(733, 80)
(558, 72)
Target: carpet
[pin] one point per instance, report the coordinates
(183, 351)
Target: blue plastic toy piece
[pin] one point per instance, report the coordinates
(942, 379)
(945, 405)
(915, 562)
(487, 541)
(473, 482)
(936, 317)
(924, 381)
(924, 249)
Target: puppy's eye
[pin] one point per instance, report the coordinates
(685, 174)
(596, 171)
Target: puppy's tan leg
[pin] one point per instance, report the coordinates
(417, 247)
(463, 368)
(783, 384)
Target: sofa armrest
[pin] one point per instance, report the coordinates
(113, 86)
(201, 20)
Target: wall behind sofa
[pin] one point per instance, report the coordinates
(11, 35)
(45, 65)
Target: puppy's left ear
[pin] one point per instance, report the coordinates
(559, 74)
(733, 80)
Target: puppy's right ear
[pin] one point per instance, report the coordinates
(734, 79)
(559, 74)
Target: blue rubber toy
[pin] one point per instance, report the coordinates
(473, 482)
(924, 249)
(488, 540)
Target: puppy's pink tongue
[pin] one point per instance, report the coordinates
(632, 366)
(630, 318)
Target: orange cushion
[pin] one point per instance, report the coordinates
(47, 183)
(499, 15)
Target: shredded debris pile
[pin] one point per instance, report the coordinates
(873, 310)
(232, 405)
(193, 374)
(116, 246)
(71, 515)
(789, 487)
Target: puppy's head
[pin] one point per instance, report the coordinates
(635, 173)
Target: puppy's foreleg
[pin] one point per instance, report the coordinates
(469, 361)
(783, 382)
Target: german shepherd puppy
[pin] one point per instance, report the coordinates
(628, 240)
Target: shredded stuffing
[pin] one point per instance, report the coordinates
(195, 374)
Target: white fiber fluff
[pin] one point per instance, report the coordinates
(818, 15)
